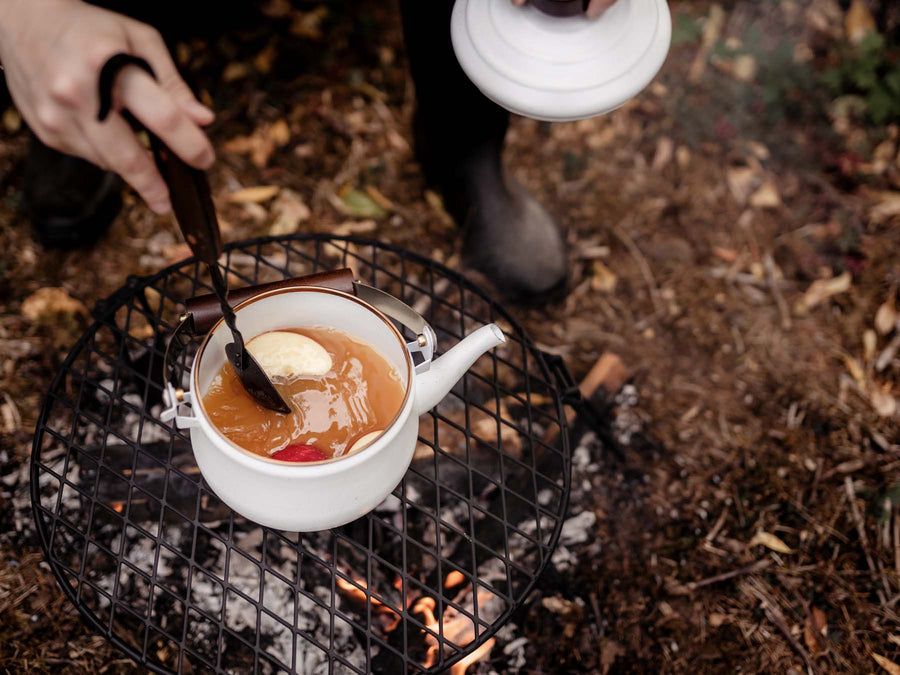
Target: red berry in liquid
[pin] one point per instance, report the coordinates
(300, 453)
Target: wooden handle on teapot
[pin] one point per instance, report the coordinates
(205, 310)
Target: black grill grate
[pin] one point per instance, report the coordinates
(158, 565)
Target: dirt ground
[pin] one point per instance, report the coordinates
(734, 236)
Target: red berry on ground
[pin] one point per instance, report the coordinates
(300, 453)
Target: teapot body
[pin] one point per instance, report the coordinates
(306, 498)
(320, 495)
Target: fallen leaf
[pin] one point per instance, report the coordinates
(277, 9)
(289, 210)
(815, 623)
(559, 605)
(822, 289)
(379, 198)
(254, 195)
(744, 68)
(266, 58)
(603, 279)
(256, 212)
(309, 24)
(870, 344)
(236, 70)
(712, 29)
(279, 132)
(856, 370)
(884, 404)
(261, 143)
(354, 227)
(665, 148)
(888, 665)
(742, 181)
(50, 302)
(766, 196)
(357, 203)
(886, 317)
(758, 150)
(609, 652)
(858, 21)
(770, 541)
(716, 619)
(729, 255)
(889, 206)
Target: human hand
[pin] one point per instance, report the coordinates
(53, 52)
(594, 10)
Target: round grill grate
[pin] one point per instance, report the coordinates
(159, 566)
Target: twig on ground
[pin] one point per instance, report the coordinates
(642, 264)
(783, 309)
(896, 544)
(758, 566)
(887, 354)
(720, 521)
(776, 617)
(864, 540)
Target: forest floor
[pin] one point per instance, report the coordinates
(734, 231)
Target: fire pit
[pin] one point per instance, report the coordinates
(158, 565)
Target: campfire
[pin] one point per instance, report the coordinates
(453, 627)
(422, 582)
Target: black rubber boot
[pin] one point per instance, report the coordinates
(69, 201)
(508, 235)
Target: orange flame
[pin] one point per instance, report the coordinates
(483, 652)
(457, 628)
(426, 606)
(454, 579)
(360, 595)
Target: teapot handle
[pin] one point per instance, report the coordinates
(561, 7)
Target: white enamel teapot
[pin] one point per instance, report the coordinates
(317, 495)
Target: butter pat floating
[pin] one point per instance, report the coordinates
(364, 441)
(286, 354)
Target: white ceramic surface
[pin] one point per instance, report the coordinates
(320, 495)
(560, 68)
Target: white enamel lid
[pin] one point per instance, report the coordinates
(560, 68)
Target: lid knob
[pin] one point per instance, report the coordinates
(562, 7)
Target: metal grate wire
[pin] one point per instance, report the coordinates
(158, 565)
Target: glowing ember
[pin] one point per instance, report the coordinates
(454, 579)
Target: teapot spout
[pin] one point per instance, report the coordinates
(434, 385)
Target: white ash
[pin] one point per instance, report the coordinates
(515, 655)
(626, 423)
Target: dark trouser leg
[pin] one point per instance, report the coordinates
(459, 140)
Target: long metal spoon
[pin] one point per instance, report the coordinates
(196, 216)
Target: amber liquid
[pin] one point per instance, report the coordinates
(362, 393)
